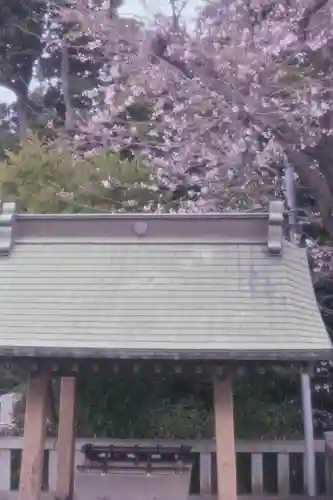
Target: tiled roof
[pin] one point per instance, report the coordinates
(154, 299)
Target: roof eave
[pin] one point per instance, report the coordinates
(170, 354)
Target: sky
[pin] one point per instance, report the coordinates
(141, 8)
(145, 8)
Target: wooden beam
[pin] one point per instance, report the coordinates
(225, 438)
(66, 439)
(34, 438)
(52, 411)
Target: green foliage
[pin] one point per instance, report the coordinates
(43, 178)
(21, 28)
(267, 403)
(141, 406)
(267, 406)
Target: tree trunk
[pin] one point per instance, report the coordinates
(316, 181)
(69, 111)
(22, 115)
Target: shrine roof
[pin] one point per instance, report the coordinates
(154, 286)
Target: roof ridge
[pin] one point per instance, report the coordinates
(266, 228)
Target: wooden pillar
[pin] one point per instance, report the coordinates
(310, 456)
(225, 438)
(66, 439)
(34, 438)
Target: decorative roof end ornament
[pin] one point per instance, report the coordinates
(7, 217)
(275, 227)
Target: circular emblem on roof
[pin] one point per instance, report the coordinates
(140, 228)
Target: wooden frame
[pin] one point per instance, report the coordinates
(66, 440)
(34, 438)
(225, 437)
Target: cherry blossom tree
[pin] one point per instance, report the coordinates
(229, 100)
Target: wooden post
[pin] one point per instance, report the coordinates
(34, 438)
(309, 456)
(66, 439)
(205, 473)
(257, 479)
(5, 470)
(283, 468)
(329, 463)
(225, 438)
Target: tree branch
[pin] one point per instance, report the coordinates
(307, 14)
(283, 133)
